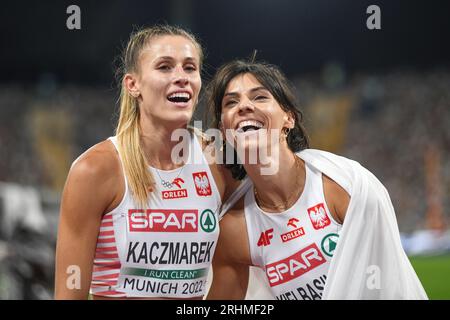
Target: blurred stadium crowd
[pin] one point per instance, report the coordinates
(396, 124)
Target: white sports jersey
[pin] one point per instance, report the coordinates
(294, 247)
(167, 249)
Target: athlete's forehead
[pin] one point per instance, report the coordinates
(243, 84)
(170, 47)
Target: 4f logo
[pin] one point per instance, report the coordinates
(264, 238)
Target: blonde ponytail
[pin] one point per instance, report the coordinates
(139, 177)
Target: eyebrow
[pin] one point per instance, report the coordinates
(251, 91)
(188, 59)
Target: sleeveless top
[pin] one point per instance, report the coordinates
(294, 247)
(166, 249)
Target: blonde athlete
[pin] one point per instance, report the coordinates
(135, 221)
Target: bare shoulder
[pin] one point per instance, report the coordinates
(100, 158)
(96, 173)
(336, 197)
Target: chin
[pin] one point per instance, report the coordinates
(180, 117)
(249, 141)
(252, 150)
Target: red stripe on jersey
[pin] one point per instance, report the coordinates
(103, 249)
(104, 283)
(109, 264)
(106, 276)
(107, 224)
(106, 233)
(110, 293)
(106, 256)
(107, 240)
(108, 268)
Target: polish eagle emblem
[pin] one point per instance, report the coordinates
(202, 184)
(318, 216)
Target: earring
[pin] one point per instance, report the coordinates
(286, 131)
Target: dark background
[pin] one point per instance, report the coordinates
(299, 36)
(380, 97)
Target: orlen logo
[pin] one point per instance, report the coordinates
(175, 194)
(294, 266)
(291, 235)
(160, 220)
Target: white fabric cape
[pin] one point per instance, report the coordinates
(369, 261)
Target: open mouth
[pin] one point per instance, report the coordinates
(179, 97)
(249, 125)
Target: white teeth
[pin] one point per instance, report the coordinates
(180, 95)
(245, 123)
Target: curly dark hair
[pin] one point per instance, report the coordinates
(271, 77)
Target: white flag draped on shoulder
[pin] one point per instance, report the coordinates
(369, 261)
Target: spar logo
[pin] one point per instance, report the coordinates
(175, 194)
(161, 220)
(208, 221)
(329, 243)
(318, 216)
(202, 184)
(293, 234)
(294, 266)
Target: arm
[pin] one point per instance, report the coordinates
(337, 199)
(231, 259)
(87, 194)
(230, 280)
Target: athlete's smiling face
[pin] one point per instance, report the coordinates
(168, 80)
(248, 107)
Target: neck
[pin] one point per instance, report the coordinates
(157, 144)
(278, 191)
